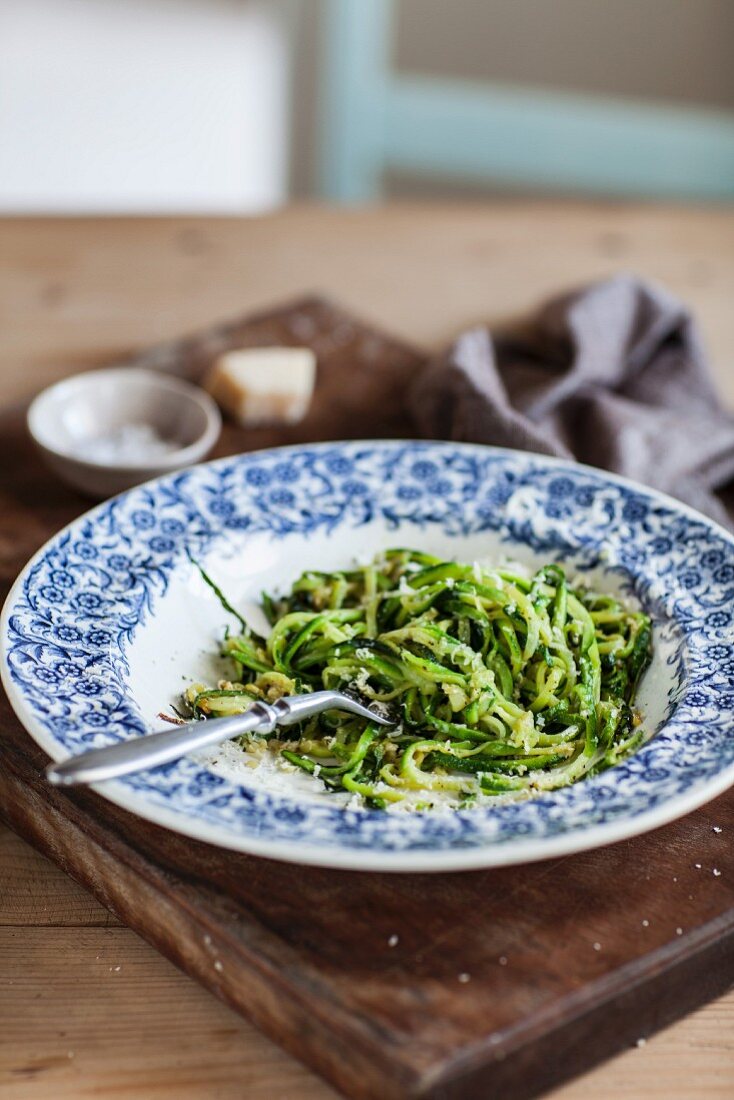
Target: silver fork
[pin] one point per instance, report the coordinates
(153, 749)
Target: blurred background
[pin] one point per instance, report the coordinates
(238, 106)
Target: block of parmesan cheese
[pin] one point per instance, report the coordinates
(263, 385)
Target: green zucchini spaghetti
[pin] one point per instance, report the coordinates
(501, 685)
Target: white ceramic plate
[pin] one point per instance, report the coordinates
(108, 622)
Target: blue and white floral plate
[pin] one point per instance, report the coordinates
(110, 620)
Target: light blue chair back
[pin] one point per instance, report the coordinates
(375, 119)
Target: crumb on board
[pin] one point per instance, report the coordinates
(641, 1042)
(697, 866)
(597, 946)
(503, 960)
(717, 872)
(394, 940)
(646, 924)
(716, 829)
(464, 977)
(218, 966)
(679, 931)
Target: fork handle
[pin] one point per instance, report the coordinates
(153, 749)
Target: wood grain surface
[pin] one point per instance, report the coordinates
(79, 292)
(71, 1023)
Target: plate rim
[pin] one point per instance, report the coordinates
(482, 856)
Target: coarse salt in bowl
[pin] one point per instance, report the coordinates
(106, 430)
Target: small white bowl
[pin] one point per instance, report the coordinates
(106, 430)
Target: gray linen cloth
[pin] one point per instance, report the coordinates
(613, 374)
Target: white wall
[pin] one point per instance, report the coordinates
(143, 105)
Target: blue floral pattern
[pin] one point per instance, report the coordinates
(70, 620)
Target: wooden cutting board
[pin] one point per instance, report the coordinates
(563, 963)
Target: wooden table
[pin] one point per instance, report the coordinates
(87, 1008)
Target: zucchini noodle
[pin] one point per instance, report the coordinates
(502, 686)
